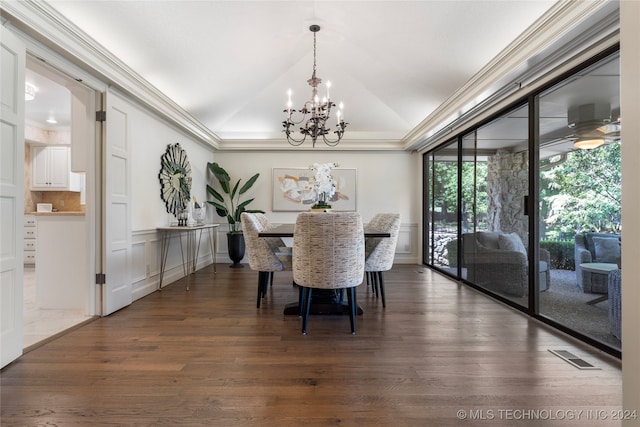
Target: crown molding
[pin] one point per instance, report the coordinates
(43, 23)
(281, 144)
(558, 21)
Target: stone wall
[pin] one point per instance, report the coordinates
(508, 183)
(441, 255)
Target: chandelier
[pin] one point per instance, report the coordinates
(314, 116)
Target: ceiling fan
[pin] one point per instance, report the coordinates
(593, 125)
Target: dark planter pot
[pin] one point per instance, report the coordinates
(235, 243)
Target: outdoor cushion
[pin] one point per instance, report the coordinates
(511, 242)
(607, 249)
(488, 239)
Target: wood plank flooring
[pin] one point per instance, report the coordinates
(440, 354)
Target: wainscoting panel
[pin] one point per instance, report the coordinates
(138, 262)
(145, 259)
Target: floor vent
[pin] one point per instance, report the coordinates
(573, 359)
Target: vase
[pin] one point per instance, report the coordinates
(320, 210)
(235, 245)
(199, 215)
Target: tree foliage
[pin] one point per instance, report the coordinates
(474, 191)
(583, 193)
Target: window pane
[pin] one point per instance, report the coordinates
(580, 201)
(444, 207)
(495, 181)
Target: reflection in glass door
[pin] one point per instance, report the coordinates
(580, 201)
(443, 208)
(495, 183)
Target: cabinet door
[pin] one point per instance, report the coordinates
(39, 167)
(50, 168)
(58, 167)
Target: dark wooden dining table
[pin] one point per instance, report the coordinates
(322, 302)
(286, 230)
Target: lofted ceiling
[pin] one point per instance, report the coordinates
(230, 63)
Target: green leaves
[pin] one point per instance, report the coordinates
(230, 207)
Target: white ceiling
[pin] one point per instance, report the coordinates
(230, 63)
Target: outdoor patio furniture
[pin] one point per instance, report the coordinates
(615, 302)
(499, 262)
(595, 248)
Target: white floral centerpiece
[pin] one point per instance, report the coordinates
(324, 184)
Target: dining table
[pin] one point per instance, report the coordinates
(287, 230)
(324, 301)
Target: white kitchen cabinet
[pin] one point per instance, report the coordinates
(50, 169)
(30, 234)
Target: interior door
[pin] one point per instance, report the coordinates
(11, 195)
(117, 289)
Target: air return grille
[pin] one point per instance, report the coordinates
(573, 359)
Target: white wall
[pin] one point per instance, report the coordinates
(387, 181)
(630, 109)
(151, 135)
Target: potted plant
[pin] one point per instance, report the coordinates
(231, 207)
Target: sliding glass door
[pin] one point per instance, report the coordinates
(527, 204)
(495, 176)
(442, 190)
(580, 201)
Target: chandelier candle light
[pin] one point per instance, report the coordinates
(314, 116)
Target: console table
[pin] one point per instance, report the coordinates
(193, 236)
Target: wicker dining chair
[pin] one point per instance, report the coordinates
(328, 253)
(266, 254)
(380, 251)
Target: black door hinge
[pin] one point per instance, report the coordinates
(101, 116)
(101, 279)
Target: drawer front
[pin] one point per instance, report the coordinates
(29, 232)
(29, 221)
(29, 244)
(29, 257)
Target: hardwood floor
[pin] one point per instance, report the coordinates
(438, 353)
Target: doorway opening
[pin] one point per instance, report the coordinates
(58, 251)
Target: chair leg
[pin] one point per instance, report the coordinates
(374, 282)
(381, 280)
(351, 297)
(260, 291)
(263, 285)
(271, 278)
(300, 300)
(307, 305)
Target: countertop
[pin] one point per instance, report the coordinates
(59, 213)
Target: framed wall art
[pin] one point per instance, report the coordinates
(292, 189)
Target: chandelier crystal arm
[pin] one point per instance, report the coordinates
(315, 113)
